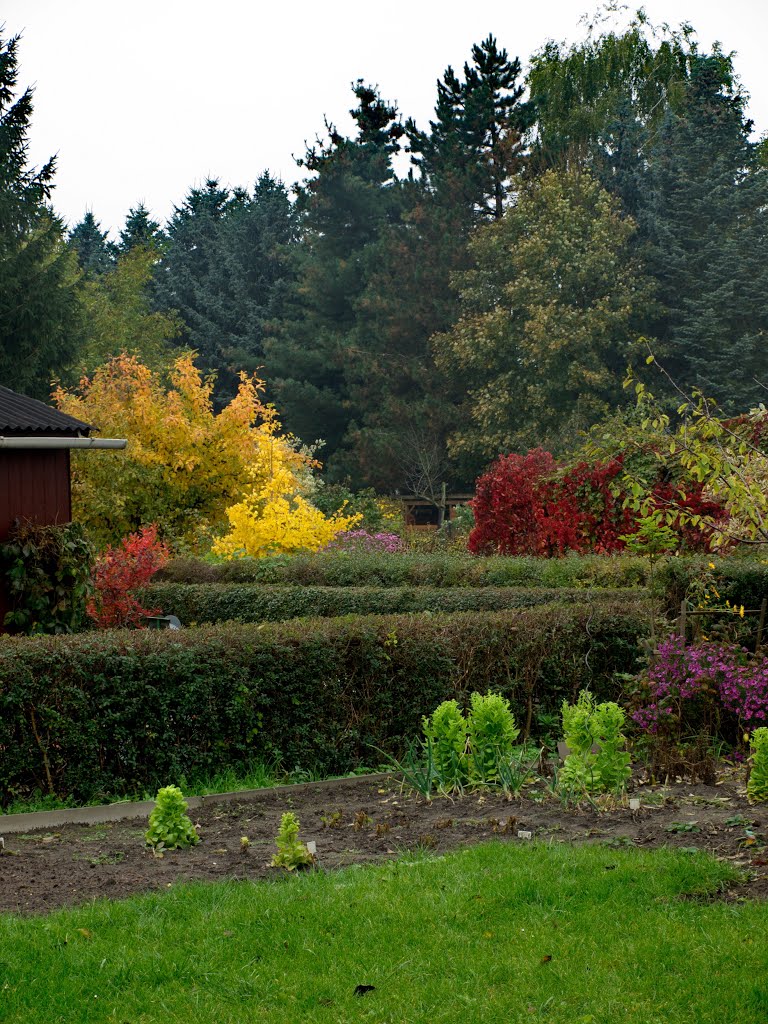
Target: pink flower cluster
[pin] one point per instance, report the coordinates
(363, 540)
(680, 674)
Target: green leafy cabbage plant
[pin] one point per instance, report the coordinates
(757, 787)
(597, 761)
(492, 732)
(170, 828)
(291, 852)
(445, 733)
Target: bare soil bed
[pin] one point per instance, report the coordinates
(361, 821)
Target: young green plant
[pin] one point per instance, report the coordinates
(491, 733)
(170, 828)
(757, 787)
(596, 762)
(291, 852)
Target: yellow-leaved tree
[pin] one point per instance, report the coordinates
(188, 468)
(275, 517)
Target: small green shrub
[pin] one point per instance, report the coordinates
(169, 826)
(47, 572)
(757, 787)
(446, 734)
(596, 762)
(291, 852)
(491, 732)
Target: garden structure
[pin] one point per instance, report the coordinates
(35, 442)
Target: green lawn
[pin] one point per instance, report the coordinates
(494, 933)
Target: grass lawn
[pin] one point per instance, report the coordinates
(583, 935)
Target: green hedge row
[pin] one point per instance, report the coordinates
(358, 569)
(736, 579)
(197, 603)
(122, 712)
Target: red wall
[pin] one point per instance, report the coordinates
(34, 484)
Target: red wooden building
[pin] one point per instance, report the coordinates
(35, 442)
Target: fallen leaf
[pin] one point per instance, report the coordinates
(86, 933)
(545, 959)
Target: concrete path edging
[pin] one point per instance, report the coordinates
(11, 823)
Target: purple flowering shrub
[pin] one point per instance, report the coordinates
(701, 687)
(364, 540)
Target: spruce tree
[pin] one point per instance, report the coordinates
(95, 253)
(224, 268)
(139, 229)
(704, 213)
(38, 304)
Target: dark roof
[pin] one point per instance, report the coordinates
(26, 417)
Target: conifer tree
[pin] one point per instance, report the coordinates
(95, 253)
(704, 214)
(224, 267)
(38, 305)
(352, 196)
(139, 229)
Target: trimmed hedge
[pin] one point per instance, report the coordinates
(124, 712)
(198, 603)
(361, 569)
(738, 580)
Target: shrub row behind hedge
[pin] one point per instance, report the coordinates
(736, 579)
(123, 712)
(211, 602)
(361, 569)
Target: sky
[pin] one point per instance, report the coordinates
(141, 100)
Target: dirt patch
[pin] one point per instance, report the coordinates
(365, 821)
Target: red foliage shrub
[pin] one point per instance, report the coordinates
(120, 571)
(531, 505)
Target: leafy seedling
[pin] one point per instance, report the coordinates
(291, 852)
(170, 828)
(682, 826)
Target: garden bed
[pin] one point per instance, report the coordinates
(362, 820)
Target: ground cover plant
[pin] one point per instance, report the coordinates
(512, 935)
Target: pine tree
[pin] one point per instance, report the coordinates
(38, 305)
(344, 209)
(474, 145)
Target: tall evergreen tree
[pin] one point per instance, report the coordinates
(95, 253)
(704, 214)
(139, 229)
(474, 146)
(224, 268)
(466, 164)
(344, 208)
(38, 304)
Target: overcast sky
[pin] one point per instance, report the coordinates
(142, 99)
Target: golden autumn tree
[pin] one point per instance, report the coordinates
(185, 464)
